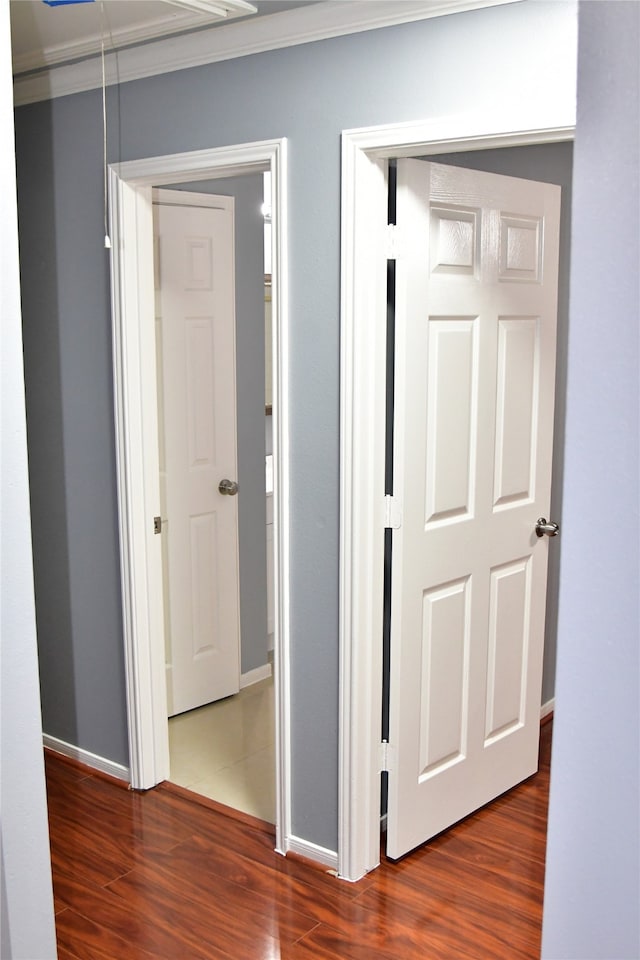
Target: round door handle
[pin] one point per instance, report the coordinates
(228, 488)
(546, 528)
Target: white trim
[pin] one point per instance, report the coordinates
(138, 477)
(306, 24)
(174, 198)
(547, 708)
(363, 322)
(281, 454)
(89, 759)
(130, 186)
(312, 851)
(361, 489)
(210, 164)
(255, 676)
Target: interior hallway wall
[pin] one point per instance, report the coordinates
(26, 899)
(592, 891)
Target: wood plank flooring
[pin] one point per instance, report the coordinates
(159, 875)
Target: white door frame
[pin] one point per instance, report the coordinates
(365, 153)
(135, 392)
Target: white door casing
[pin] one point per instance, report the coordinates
(363, 378)
(135, 402)
(195, 337)
(476, 287)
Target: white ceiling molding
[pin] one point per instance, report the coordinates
(318, 21)
(218, 9)
(186, 15)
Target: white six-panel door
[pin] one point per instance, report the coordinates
(475, 371)
(195, 337)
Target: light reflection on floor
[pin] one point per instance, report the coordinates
(225, 751)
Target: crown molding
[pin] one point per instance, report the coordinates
(173, 23)
(318, 21)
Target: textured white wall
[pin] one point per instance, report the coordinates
(27, 902)
(592, 899)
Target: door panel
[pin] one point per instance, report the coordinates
(516, 407)
(196, 333)
(451, 389)
(476, 287)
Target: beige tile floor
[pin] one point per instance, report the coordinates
(225, 751)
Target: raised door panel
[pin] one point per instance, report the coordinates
(516, 409)
(444, 676)
(451, 417)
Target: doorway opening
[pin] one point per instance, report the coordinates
(366, 154)
(209, 243)
(135, 382)
(549, 163)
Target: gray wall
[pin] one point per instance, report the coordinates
(250, 366)
(67, 346)
(26, 899)
(592, 899)
(309, 94)
(550, 163)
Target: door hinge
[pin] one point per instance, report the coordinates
(386, 757)
(391, 241)
(392, 513)
(157, 524)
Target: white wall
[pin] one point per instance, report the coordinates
(592, 898)
(27, 902)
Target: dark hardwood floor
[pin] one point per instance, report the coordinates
(159, 875)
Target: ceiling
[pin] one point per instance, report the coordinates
(43, 36)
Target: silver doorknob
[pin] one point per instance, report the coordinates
(546, 528)
(228, 488)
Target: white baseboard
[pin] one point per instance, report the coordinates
(89, 759)
(547, 708)
(304, 848)
(255, 676)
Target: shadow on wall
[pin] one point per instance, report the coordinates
(66, 318)
(47, 484)
(69, 401)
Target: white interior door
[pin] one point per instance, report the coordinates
(195, 337)
(475, 371)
